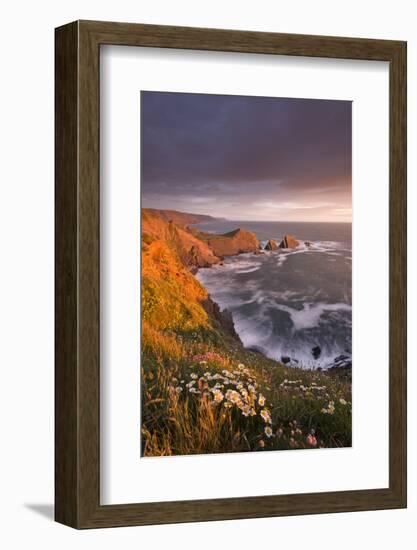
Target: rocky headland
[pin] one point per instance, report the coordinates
(172, 230)
(180, 218)
(235, 242)
(197, 249)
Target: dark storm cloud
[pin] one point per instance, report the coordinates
(273, 154)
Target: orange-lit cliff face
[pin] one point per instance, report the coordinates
(194, 248)
(190, 250)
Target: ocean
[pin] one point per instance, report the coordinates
(291, 305)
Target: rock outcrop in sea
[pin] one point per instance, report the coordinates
(271, 245)
(288, 241)
(316, 352)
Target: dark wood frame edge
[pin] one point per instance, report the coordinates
(77, 360)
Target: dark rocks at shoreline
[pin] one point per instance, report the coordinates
(342, 361)
(341, 367)
(223, 317)
(288, 360)
(316, 352)
(288, 241)
(271, 245)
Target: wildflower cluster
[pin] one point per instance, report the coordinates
(331, 407)
(311, 390)
(296, 436)
(314, 391)
(239, 395)
(232, 389)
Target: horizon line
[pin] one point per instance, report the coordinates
(241, 220)
(271, 221)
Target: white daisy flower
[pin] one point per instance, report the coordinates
(266, 416)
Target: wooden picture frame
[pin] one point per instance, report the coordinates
(77, 405)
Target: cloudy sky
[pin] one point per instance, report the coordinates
(247, 158)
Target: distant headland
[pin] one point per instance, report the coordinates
(198, 248)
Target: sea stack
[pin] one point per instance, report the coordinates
(288, 241)
(271, 245)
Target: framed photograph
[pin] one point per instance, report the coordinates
(230, 274)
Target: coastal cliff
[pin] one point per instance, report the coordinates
(191, 250)
(195, 248)
(172, 298)
(235, 242)
(202, 391)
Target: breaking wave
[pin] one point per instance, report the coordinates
(285, 303)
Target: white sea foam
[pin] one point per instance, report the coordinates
(281, 259)
(250, 270)
(279, 312)
(258, 332)
(318, 247)
(309, 316)
(254, 331)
